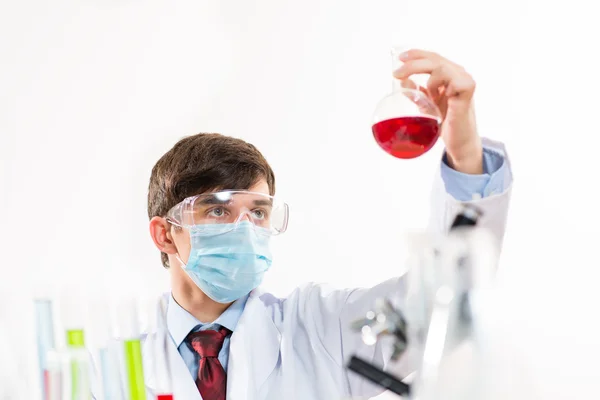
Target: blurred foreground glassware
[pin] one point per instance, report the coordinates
(160, 350)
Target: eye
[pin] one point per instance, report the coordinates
(259, 214)
(216, 212)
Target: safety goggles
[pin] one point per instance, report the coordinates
(231, 207)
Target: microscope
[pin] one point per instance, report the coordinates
(448, 274)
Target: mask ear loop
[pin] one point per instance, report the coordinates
(182, 264)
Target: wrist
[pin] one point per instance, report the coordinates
(468, 159)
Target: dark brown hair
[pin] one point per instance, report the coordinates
(202, 163)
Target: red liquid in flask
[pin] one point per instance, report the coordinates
(407, 137)
(164, 397)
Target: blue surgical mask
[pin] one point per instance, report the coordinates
(228, 261)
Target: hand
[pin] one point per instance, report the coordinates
(451, 88)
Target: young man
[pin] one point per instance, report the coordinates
(212, 215)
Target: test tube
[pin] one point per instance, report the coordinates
(130, 332)
(106, 350)
(75, 338)
(73, 311)
(76, 341)
(53, 376)
(44, 323)
(75, 372)
(110, 372)
(68, 374)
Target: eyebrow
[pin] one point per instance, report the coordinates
(263, 203)
(214, 200)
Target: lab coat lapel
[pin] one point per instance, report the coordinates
(254, 350)
(183, 385)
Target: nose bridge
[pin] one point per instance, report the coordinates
(244, 214)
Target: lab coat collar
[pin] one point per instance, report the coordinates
(181, 323)
(183, 385)
(253, 354)
(254, 348)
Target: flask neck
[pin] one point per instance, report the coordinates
(398, 84)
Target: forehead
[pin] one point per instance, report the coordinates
(225, 197)
(260, 187)
(232, 199)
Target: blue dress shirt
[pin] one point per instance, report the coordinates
(461, 186)
(180, 323)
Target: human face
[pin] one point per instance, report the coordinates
(174, 240)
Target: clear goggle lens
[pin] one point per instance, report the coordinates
(231, 207)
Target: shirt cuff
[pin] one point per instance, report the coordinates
(463, 187)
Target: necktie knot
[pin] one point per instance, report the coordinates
(207, 343)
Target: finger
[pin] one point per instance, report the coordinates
(437, 82)
(421, 66)
(416, 54)
(425, 91)
(408, 84)
(452, 79)
(436, 85)
(462, 85)
(426, 108)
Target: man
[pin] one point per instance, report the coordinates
(212, 214)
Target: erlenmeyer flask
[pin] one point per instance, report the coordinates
(406, 123)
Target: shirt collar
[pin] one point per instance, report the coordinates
(180, 322)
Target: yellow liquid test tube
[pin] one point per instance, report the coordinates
(135, 369)
(130, 333)
(76, 340)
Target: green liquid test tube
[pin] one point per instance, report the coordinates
(76, 340)
(129, 331)
(135, 369)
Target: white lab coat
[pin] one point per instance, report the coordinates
(297, 347)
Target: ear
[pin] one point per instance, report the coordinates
(160, 230)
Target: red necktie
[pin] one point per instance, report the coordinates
(212, 379)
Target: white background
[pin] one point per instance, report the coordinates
(94, 92)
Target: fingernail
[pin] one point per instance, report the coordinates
(404, 56)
